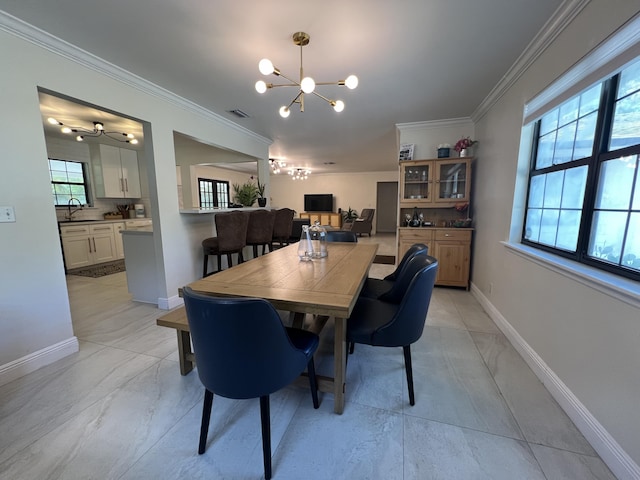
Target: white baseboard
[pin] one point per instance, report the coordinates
(170, 303)
(34, 361)
(602, 442)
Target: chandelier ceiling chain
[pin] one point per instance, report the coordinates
(98, 130)
(306, 84)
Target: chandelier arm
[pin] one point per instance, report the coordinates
(273, 85)
(331, 102)
(292, 81)
(107, 134)
(295, 99)
(330, 83)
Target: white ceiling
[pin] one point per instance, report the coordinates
(417, 60)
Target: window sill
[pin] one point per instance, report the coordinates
(614, 286)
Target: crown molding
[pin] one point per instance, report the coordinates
(447, 122)
(562, 17)
(36, 36)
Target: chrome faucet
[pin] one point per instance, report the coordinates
(71, 212)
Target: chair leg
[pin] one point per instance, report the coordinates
(352, 347)
(219, 259)
(407, 365)
(229, 260)
(206, 416)
(255, 251)
(313, 384)
(205, 265)
(265, 419)
(240, 257)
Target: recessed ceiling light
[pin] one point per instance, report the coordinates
(329, 163)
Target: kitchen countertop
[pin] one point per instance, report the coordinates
(94, 221)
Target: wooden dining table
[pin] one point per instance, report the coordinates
(327, 287)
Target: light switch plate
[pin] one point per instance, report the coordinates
(7, 214)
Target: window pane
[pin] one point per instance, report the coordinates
(549, 122)
(614, 187)
(564, 144)
(607, 233)
(536, 191)
(569, 111)
(625, 130)
(545, 150)
(568, 228)
(590, 100)
(553, 190)
(585, 136)
(532, 228)
(549, 227)
(629, 80)
(631, 255)
(575, 182)
(636, 195)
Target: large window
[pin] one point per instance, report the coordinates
(213, 193)
(68, 180)
(583, 200)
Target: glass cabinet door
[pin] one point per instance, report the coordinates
(416, 182)
(452, 181)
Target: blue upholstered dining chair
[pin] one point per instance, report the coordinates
(385, 324)
(375, 287)
(242, 351)
(341, 236)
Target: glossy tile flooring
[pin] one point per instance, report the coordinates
(119, 408)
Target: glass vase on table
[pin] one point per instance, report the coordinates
(305, 248)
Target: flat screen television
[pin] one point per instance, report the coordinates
(318, 202)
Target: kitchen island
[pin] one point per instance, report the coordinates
(140, 263)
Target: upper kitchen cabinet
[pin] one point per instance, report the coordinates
(116, 173)
(437, 183)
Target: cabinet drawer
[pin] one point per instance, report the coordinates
(418, 234)
(453, 235)
(74, 230)
(102, 228)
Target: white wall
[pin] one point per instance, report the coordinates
(588, 338)
(35, 321)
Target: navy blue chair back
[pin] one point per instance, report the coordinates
(407, 324)
(242, 349)
(341, 236)
(404, 278)
(415, 249)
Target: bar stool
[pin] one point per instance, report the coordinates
(231, 231)
(260, 230)
(282, 227)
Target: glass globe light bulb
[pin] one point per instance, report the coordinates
(307, 84)
(265, 66)
(284, 112)
(261, 87)
(339, 106)
(65, 130)
(351, 82)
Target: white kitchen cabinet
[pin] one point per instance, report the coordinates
(116, 173)
(87, 244)
(117, 237)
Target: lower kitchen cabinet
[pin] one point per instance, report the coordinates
(451, 246)
(84, 245)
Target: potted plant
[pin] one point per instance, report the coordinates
(349, 215)
(262, 201)
(245, 194)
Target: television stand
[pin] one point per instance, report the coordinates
(325, 218)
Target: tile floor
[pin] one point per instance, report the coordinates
(119, 409)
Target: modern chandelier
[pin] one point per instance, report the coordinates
(98, 130)
(306, 84)
(299, 173)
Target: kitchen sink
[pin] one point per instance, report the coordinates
(78, 221)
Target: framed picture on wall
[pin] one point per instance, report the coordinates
(406, 152)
